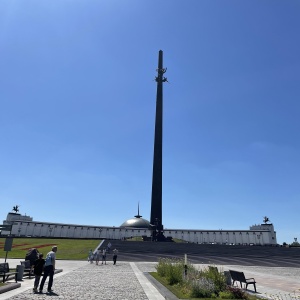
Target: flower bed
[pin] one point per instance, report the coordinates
(187, 282)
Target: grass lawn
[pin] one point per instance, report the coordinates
(172, 288)
(74, 249)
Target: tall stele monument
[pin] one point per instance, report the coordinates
(156, 197)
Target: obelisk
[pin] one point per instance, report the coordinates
(156, 197)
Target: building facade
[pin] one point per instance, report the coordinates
(263, 234)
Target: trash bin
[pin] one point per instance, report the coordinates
(228, 277)
(20, 270)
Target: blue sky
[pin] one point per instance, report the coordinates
(77, 111)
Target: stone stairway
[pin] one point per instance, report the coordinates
(206, 253)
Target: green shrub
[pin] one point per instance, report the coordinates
(171, 269)
(217, 277)
(175, 272)
(162, 267)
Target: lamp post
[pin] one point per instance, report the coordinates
(185, 265)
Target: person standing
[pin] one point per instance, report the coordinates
(98, 253)
(103, 256)
(115, 256)
(90, 257)
(38, 266)
(49, 269)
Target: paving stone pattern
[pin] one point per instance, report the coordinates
(94, 282)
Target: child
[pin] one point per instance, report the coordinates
(38, 270)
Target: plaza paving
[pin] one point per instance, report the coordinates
(129, 280)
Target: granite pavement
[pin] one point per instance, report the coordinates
(129, 280)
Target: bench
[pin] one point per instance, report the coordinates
(27, 268)
(5, 273)
(240, 277)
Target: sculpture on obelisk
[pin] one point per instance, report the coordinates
(156, 197)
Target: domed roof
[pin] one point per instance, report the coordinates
(137, 221)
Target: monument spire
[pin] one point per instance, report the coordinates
(156, 197)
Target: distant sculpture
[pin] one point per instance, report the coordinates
(16, 208)
(266, 220)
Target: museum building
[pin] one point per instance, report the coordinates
(262, 234)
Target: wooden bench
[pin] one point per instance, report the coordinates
(240, 277)
(5, 273)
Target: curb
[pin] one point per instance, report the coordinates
(9, 286)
